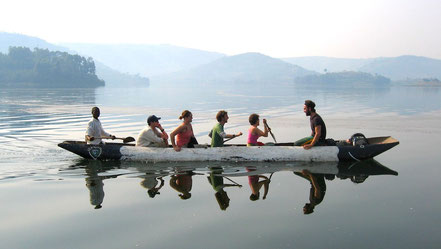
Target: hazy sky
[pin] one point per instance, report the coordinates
(337, 28)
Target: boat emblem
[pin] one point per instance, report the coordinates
(95, 152)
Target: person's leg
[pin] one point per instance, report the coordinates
(303, 141)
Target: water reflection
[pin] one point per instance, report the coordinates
(216, 180)
(222, 176)
(152, 183)
(256, 182)
(182, 182)
(317, 191)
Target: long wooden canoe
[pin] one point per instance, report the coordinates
(281, 152)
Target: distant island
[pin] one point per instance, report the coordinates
(22, 67)
(344, 78)
(425, 82)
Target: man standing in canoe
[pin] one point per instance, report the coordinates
(318, 127)
(95, 131)
(218, 134)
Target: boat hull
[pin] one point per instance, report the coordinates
(238, 153)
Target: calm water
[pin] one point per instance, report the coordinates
(54, 199)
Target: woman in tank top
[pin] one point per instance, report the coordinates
(254, 133)
(184, 132)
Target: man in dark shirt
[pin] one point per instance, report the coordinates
(318, 126)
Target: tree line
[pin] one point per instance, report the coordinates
(344, 78)
(22, 67)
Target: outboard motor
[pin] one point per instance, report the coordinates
(358, 139)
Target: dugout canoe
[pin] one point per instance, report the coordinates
(280, 152)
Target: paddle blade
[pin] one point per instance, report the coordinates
(128, 140)
(272, 135)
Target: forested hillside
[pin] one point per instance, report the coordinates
(22, 67)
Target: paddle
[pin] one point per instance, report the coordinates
(125, 140)
(226, 140)
(272, 135)
(233, 181)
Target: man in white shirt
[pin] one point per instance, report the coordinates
(95, 131)
(150, 136)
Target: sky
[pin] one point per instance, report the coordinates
(334, 28)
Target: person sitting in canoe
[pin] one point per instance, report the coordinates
(151, 136)
(318, 127)
(184, 133)
(254, 133)
(217, 133)
(95, 132)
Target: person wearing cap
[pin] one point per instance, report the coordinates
(150, 136)
(318, 127)
(95, 131)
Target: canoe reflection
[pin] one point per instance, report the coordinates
(221, 176)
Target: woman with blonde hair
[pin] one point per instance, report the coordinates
(184, 133)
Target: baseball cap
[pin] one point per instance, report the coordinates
(152, 119)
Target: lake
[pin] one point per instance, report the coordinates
(52, 198)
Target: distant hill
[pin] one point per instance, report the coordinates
(111, 76)
(146, 60)
(245, 68)
(395, 68)
(346, 78)
(17, 40)
(404, 67)
(114, 78)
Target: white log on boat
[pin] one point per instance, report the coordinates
(231, 153)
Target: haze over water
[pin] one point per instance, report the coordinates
(49, 195)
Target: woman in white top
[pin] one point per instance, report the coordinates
(150, 136)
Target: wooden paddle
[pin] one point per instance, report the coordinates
(226, 140)
(272, 135)
(125, 140)
(239, 185)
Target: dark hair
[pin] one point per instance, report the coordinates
(253, 118)
(310, 104)
(220, 115)
(152, 193)
(185, 114)
(221, 200)
(254, 197)
(94, 109)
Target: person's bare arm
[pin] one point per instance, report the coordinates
(173, 134)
